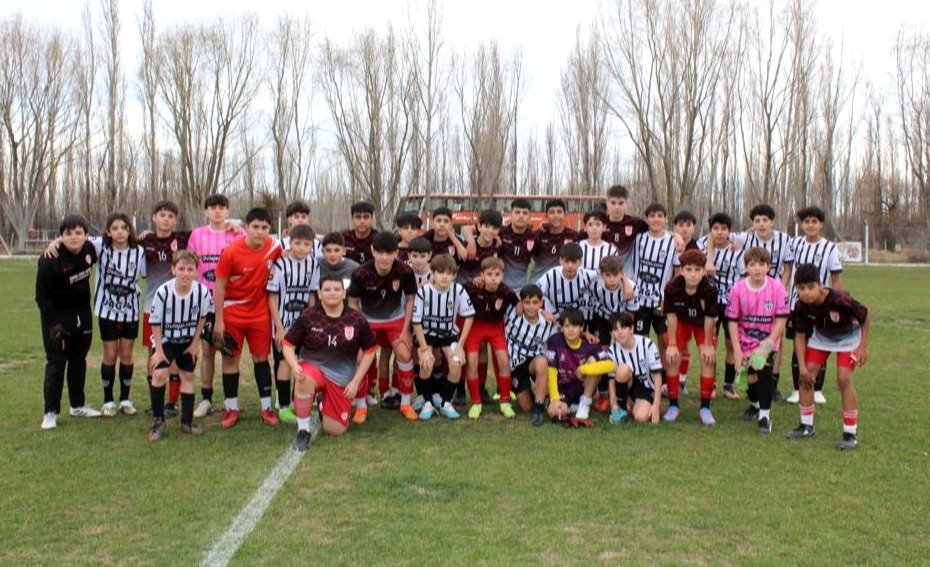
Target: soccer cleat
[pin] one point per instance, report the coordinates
(270, 418)
(230, 418)
(777, 396)
(408, 413)
(617, 415)
(203, 409)
(109, 409)
(360, 416)
(302, 440)
(751, 414)
(391, 402)
(765, 426)
(818, 398)
(507, 410)
(127, 407)
(427, 412)
(437, 401)
(849, 442)
(475, 411)
(671, 414)
(371, 400)
(794, 398)
(157, 431)
(538, 415)
(448, 411)
(801, 432)
(84, 411)
(496, 397)
(707, 418)
(287, 415)
(50, 420)
(578, 423)
(418, 403)
(602, 404)
(171, 409)
(192, 429)
(729, 392)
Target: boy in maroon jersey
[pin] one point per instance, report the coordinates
(486, 245)
(828, 320)
(384, 289)
(491, 301)
(691, 310)
(328, 338)
(357, 242)
(409, 227)
(621, 229)
(550, 239)
(518, 240)
(442, 237)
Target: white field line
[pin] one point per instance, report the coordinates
(243, 524)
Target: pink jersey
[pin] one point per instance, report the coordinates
(208, 244)
(756, 311)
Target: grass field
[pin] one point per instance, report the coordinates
(491, 492)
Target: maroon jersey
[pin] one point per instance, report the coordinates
(516, 251)
(546, 250)
(158, 255)
(470, 268)
(623, 233)
(838, 317)
(403, 254)
(382, 298)
(491, 305)
(331, 343)
(358, 249)
(441, 246)
(691, 309)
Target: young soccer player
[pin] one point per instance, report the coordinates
(297, 213)
(575, 367)
(638, 373)
(550, 239)
(419, 256)
(593, 248)
(566, 286)
(691, 310)
(518, 240)
(609, 294)
(383, 289)
(813, 248)
(177, 316)
(491, 300)
(442, 238)
(63, 297)
(208, 242)
(756, 313)
(334, 261)
(328, 338)
(685, 222)
(358, 240)
(291, 289)
(827, 321)
(527, 335)
(409, 228)
(242, 312)
(621, 229)
(486, 245)
(437, 308)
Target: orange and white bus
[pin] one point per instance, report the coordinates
(466, 208)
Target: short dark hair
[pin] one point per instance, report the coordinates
(408, 219)
(622, 320)
(808, 212)
(521, 204)
(491, 217)
(758, 255)
(216, 199)
(333, 238)
(571, 252)
(444, 264)
(165, 205)
(71, 222)
(362, 207)
(720, 218)
(762, 210)
(655, 208)
(260, 214)
(598, 214)
(302, 232)
(295, 207)
(692, 257)
(572, 316)
(531, 290)
(420, 245)
(331, 277)
(492, 263)
(684, 216)
(805, 274)
(552, 203)
(384, 241)
(618, 192)
(611, 265)
(441, 212)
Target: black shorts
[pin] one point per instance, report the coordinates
(639, 391)
(647, 317)
(722, 321)
(174, 352)
(600, 328)
(521, 379)
(113, 330)
(439, 342)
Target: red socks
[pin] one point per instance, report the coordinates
(503, 388)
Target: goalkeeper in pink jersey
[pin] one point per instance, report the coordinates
(757, 313)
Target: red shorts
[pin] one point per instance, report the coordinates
(388, 332)
(685, 331)
(490, 331)
(335, 405)
(819, 357)
(146, 331)
(257, 333)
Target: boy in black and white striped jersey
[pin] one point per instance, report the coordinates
(608, 295)
(566, 286)
(654, 256)
(638, 373)
(177, 316)
(593, 248)
(527, 334)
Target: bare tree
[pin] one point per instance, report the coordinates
(150, 71)
(912, 93)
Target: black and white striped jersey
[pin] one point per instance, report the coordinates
(593, 253)
(293, 281)
(642, 358)
(423, 279)
(822, 254)
(526, 339)
(116, 294)
(436, 310)
(178, 315)
(730, 268)
(779, 247)
(654, 262)
(603, 302)
(561, 293)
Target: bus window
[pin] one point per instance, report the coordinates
(412, 204)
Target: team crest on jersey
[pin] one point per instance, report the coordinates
(345, 416)
(131, 267)
(769, 305)
(174, 245)
(452, 250)
(529, 245)
(662, 255)
(628, 230)
(395, 285)
(818, 258)
(498, 304)
(88, 259)
(349, 332)
(835, 316)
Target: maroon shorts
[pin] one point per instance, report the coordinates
(335, 405)
(490, 331)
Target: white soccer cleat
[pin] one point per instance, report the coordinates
(50, 420)
(203, 409)
(126, 407)
(84, 411)
(109, 409)
(794, 398)
(819, 399)
(582, 412)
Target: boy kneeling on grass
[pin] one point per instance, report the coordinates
(638, 372)
(828, 320)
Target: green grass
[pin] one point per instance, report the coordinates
(496, 491)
